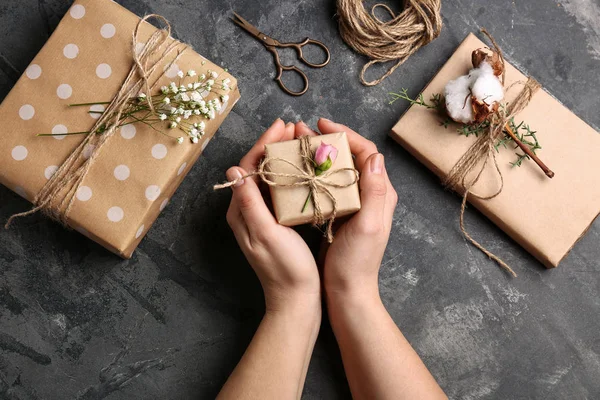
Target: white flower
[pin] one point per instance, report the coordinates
(194, 140)
(224, 98)
(194, 132)
(180, 74)
(185, 98)
(190, 86)
(167, 100)
(201, 125)
(182, 89)
(202, 77)
(164, 90)
(202, 103)
(196, 97)
(213, 74)
(173, 88)
(203, 62)
(196, 85)
(196, 112)
(187, 114)
(211, 114)
(180, 140)
(173, 110)
(173, 125)
(210, 82)
(191, 72)
(226, 81)
(162, 117)
(180, 110)
(178, 119)
(204, 110)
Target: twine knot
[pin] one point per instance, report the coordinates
(305, 176)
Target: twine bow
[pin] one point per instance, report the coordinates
(305, 177)
(482, 150)
(58, 195)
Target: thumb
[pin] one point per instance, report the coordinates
(250, 202)
(373, 191)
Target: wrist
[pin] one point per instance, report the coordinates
(353, 296)
(298, 306)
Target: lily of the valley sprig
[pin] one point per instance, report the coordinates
(324, 158)
(180, 106)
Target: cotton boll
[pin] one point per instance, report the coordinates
(458, 99)
(487, 88)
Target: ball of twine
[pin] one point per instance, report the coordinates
(396, 39)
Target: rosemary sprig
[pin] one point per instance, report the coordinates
(521, 131)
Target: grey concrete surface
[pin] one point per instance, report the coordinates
(172, 322)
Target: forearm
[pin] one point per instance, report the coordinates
(275, 364)
(379, 361)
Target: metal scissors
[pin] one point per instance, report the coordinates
(271, 45)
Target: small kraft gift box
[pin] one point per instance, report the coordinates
(111, 184)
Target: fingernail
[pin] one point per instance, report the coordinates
(234, 174)
(288, 124)
(325, 119)
(377, 164)
(302, 123)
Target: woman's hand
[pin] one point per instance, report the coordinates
(353, 259)
(281, 259)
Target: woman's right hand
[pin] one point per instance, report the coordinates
(352, 261)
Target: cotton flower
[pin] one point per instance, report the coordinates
(180, 140)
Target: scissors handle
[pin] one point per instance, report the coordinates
(281, 68)
(299, 46)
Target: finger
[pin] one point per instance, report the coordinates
(373, 193)
(391, 200)
(250, 202)
(290, 130)
(274, 134)
(303, 130)
(237, 224)
(359, 146)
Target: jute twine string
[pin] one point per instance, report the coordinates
(305, 177)
(58, 195)
(395, 40)
(482, 150)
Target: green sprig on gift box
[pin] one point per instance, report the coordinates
(175, 106)
(522, 131)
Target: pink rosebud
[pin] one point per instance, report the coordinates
(325, 153)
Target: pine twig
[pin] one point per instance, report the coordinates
(528, 152)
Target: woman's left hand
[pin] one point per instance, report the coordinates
(281, 259)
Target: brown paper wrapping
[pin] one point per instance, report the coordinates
(288, 201)
(546, 216)
(91, 52)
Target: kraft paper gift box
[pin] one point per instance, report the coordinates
(545, 216)
(87, 59)
(288, 201)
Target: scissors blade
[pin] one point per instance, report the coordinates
(246, 25)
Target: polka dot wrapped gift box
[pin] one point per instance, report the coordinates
(89, 58)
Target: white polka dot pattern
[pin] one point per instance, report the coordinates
(181, 169)
(172, 71)
(49, 171)
(107, 31)
(140, 231)
(19, 153)
(103, 71)
(34, 71)
(71, 51)
(115, 214)
(163, 205)
(58, 130)
(64, 91)
(128, 132)
(96, 109)
(159, 151)
(122, 172)
(84, 193)
(152, 192)
(77, 11)
(26, 112)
